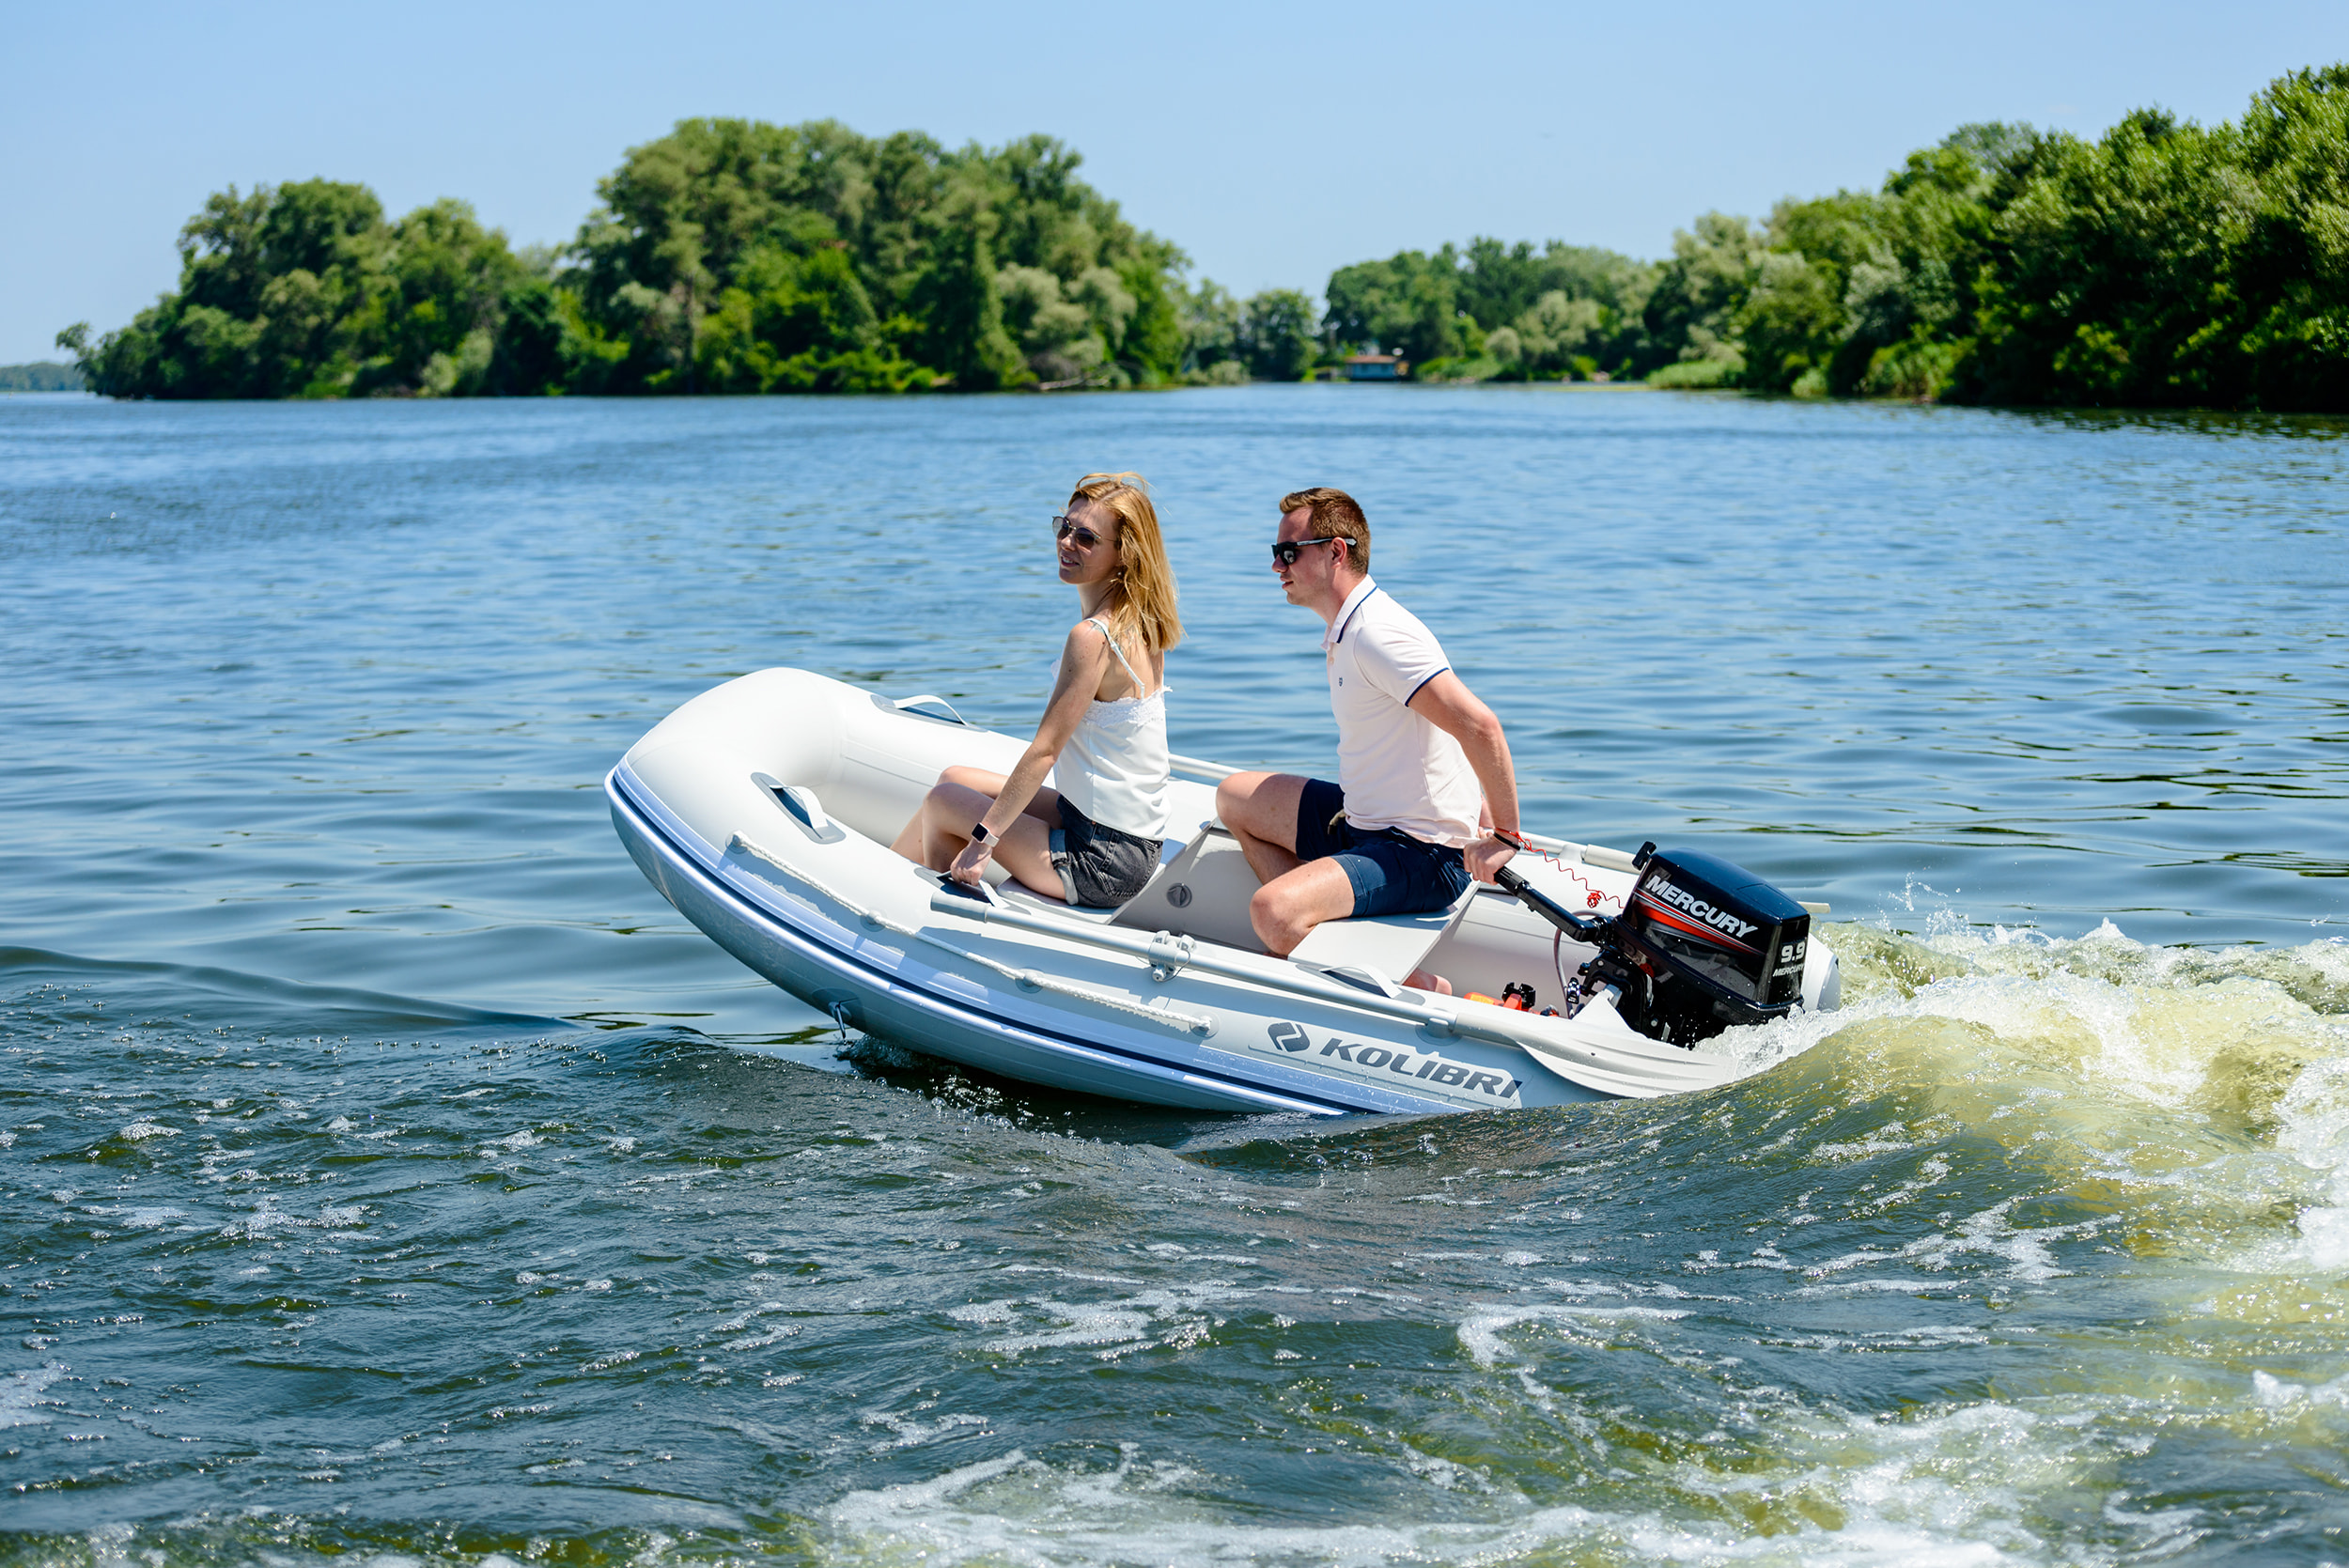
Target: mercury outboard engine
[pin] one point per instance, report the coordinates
(1701, 944)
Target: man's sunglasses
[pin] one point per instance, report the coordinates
(1287, 550)
(1062, 528)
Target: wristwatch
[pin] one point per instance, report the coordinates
(979, 833)
(1511, 837)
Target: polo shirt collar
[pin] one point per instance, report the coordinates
(1335, 633)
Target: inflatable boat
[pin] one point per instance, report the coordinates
(765, 808)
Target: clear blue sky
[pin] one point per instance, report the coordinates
(1274, 142)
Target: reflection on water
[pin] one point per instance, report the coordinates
(387, 1170)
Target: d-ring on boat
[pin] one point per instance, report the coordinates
(764, 810)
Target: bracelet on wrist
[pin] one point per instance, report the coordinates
(1511, 837)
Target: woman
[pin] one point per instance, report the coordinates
(1094, 840)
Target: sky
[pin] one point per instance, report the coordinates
(1273, 142)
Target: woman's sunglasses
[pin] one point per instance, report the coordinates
(1063, 529)
(1287, 550)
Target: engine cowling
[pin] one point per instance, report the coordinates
(1701, 944)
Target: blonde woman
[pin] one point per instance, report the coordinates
(1095, 841)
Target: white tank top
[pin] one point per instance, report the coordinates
(1114, 767)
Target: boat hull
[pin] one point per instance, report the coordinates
(870, 999)
(762, 811)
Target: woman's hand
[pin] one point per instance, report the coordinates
(969, 865)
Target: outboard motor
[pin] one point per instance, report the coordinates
(1701, 944)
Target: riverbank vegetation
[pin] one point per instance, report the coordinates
(2163, 263)
(729, 255)
(44, 376)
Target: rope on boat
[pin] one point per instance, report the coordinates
(1597, 895)
(1190, 1023)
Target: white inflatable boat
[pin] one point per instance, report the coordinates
(764, 811)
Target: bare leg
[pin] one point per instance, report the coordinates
(943, 826)
(1288, 907)
(908, 842)
(912, 840)
(1044, 806)
(1260, 809)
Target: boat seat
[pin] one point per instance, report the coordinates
(1015, 891)
(1019, 892)
(1390, 944)
(1202, 891)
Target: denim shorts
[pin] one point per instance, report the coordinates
(1392, 871)
(1100, 867)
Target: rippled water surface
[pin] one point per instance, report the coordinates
(387, 1172)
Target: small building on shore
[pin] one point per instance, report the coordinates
(1376, 368)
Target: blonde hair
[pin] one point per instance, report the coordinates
(1141, 598)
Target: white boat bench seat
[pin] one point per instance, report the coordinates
(1201, 891)
(1013, 890)
(1204, 892)
(1390, 944)
(1019, 892)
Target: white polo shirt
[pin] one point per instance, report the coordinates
(1397, 770)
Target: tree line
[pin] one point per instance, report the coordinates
(45, 375)
(2162, 263)
(728, 257)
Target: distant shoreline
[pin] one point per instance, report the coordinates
(40, 375)
(737, 257)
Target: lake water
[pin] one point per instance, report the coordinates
(388, 1175)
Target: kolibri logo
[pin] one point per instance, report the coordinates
(1402, 1061)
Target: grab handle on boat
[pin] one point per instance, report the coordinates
(800, 803)
(903, 703)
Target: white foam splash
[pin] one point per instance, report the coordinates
(985, 1311)
(1480, 1333)
(1901, 1509)
(268, 1217)
(20, 1395)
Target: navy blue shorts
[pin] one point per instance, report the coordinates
(1392, 872)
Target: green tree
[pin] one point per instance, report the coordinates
(1691, 316)
(958, 303)
(304, 291)
(797, 324)
(1276, 335)
(1408, 304)
(1557, 331)
(932, 236)
(1210, 328)
(1505, 285)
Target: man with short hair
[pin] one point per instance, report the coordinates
(1422, 765)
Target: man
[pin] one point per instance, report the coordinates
(1421, 764)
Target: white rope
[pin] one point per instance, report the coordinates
(1190, 1023)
